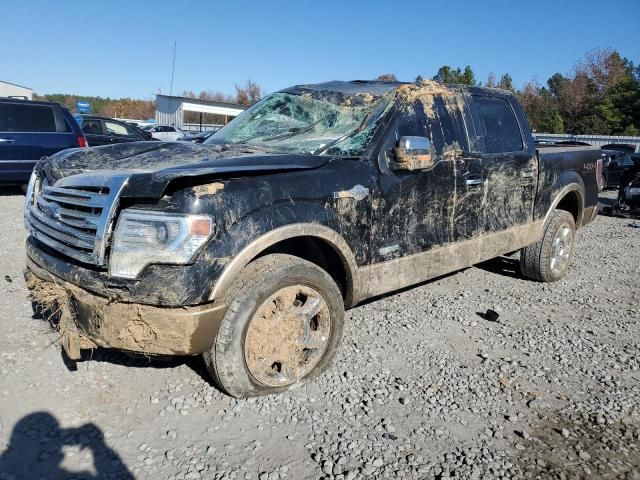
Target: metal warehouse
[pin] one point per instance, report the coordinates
(12, 90)
(193, 113)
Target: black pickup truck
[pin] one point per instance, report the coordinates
(247, 249)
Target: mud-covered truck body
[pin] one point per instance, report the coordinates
(247, 248)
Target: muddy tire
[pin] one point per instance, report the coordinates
(548, 259)
(282, 327)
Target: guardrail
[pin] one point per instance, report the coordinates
(595, 140)
(205, 127)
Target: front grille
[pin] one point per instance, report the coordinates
(74, 216)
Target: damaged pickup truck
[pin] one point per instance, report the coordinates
(248, 248)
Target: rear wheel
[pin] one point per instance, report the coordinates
(548, 259)
(282, 327)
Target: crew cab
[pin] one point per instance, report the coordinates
(248, 248)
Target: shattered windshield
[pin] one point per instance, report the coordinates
(320, 123)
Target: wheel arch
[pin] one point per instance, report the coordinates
(571, 199)
(314, 242)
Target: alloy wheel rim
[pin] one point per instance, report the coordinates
(561, 250)
(287, 336)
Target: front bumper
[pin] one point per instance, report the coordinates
(96, 321)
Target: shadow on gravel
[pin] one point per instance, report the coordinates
(10, 191)
(505, 266)
(117, 357)
(36, 445)
(134, 360)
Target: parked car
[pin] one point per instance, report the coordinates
(615, 163)
(106, 131)
(198, 137)
(248, 248)
(166, 133)
(29, 131)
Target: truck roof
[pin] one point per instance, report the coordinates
(381, 87)
(375, 87)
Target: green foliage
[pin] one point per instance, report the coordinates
(109, 107)
(506, 82)
(448, 75)
(600, 96)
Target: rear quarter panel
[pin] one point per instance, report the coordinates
(565, 169)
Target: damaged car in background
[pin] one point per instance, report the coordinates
(248, 248)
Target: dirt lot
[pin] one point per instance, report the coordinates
(423, 387)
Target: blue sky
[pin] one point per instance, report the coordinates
(122, 48)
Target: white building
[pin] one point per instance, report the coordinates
(12, 90)
(210, 115)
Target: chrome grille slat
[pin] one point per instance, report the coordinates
(61, 247)
(75, 215)
(89, 217)
(62, 238)
(78, 237)
(92, 203)
(67, 192)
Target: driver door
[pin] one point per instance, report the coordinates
(419, 213)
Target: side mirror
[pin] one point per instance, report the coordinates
(412, 153)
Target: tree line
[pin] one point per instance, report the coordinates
(600, 95)
(246, 95)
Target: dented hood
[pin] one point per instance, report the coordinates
(152, 166)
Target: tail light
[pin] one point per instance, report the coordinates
(599, 167)
(82, 141)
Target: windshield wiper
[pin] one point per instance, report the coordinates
(293, 132)
(352, 133)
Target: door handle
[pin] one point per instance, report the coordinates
(473, 182)
(7, 140)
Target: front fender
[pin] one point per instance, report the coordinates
(253, 234)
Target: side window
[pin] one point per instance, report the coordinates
(497, 126)
(626, 161)
(91, 127)
(117, 129)
(409, 121)
(170, 129)
(26, 118)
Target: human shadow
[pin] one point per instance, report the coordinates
(35, 451)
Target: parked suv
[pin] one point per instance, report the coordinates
(105, 131)
(29, 131)
(166, 133)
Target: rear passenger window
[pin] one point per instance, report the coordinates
(26, 118)
(497, 128)
(91, 127)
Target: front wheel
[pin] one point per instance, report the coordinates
(282, 327)
(548, 259)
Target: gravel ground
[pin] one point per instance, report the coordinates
(422, 387)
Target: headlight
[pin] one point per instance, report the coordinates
(144, 237)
